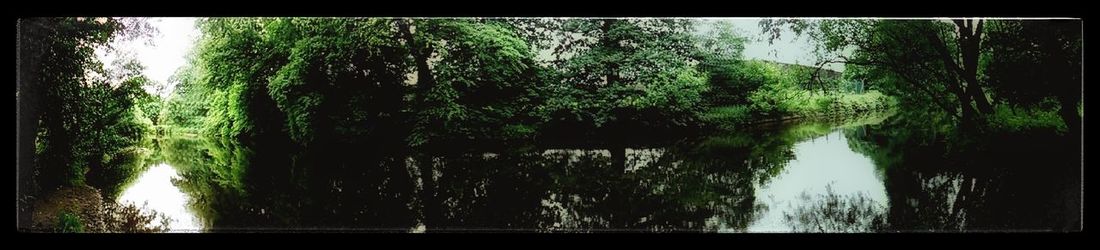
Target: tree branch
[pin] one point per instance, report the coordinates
(941, 48)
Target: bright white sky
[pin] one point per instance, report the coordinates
(167, 52)
(787, 49)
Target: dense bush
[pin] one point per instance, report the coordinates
(69, 223)
(1010, 119)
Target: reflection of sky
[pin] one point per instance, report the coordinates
(154, 188)
(819, 162)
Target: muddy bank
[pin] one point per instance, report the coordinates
(91, 212)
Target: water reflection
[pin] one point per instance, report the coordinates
(155, 189)
(843, 176)
(823, 166)
(945, 180)
(832, 212)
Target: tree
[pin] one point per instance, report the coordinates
(618, 70)
(1034, 60)
(475, 78)
(921, 54)
(58, 110)
(233, 62)
(719, 50)
(342, 81)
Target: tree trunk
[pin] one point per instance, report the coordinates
(618, 157)
(968, 112)
(420, 53)
(27, 114)
(429, 201)
(950, 66)
(970, 47)
(1069, 114)
(612, 74)
(978, 95)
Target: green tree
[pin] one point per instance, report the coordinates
(482, 79)
(619, 72)
(235, 63)
(67, 118)
(1030, 61)
(719, 49)
(921, 61)
(342, 81)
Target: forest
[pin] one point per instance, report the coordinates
(637, 124)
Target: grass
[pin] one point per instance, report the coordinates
(728, 116)
(802, 104)
(69, 223)
(1006, 118)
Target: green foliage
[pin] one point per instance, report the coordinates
(89, 113)
(947, 66)
(229, 69)
(185, 110)
(485, 78)
(342, 79)
(782, 91)
(69, 223)
(914, 61)
(345, 79)
(669, 100)
(1029, 61)
(781, 96)
(213, 169)
(121, 169)
(622, 70)
(719, 56)
(732, 83)
(1009, 119)
(727, 117)
(518, 131)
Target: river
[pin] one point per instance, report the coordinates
(821, 176)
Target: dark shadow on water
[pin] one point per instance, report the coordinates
(696, 184)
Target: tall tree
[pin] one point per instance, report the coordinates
(474, 79)
(55, 102)
(718, 52)
(617, 70)
(1030, 61)
(922, 54)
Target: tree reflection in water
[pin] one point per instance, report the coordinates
(706, 184)
(832, 212)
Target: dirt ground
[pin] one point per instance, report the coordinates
(84, 201)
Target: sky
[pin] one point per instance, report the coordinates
(166, 51)
(787, 49)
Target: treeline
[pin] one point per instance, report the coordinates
(80, 119)
(761, 91)
(982, 75)
(80, 122)
(425, 82)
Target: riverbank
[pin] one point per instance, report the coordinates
(835, 106)
(82, 208)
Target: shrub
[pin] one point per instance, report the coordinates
(1007, 118)
(725, 117)
(69, 223)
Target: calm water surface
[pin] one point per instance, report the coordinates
(857, 175)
